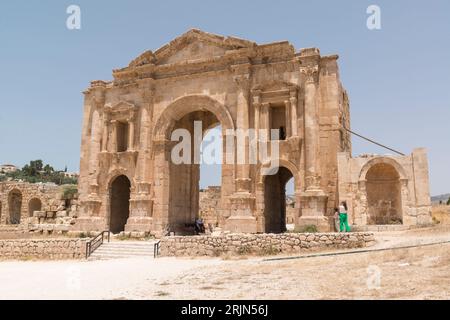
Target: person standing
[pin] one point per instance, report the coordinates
(343, 217)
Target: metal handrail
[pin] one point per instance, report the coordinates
(96, 242)
(156, 248)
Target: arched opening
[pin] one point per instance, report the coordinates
(120, 203)
(211, 176)
(291, 212)
(193, 160)
(15, 206)
(275, 200)
(34, 205)
(383, 195)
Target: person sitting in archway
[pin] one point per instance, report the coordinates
(199, 226)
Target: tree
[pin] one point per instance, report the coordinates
(448, 201)
(48, 169)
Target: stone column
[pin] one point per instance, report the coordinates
(114, 135)
(242, 202)
(131, 133)
(293, 103)
(242, 122)
(311, 128)
(256, 107)
(141, 202)
(265, 119)
(105, 132)
(287, 105)
(314, 200)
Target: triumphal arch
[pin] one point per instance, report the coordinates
(128, 180)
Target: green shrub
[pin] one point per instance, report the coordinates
(244, 250)
(269, 251)
(69, 191)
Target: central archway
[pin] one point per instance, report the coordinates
(120, 203)
(177, 185)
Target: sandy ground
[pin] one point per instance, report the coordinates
(414, 273)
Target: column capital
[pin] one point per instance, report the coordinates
(310, 73)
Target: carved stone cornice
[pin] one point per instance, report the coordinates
(123, 108)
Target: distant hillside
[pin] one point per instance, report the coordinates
(443, 197)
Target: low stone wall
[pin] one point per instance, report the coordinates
(262, 244)
(42, 249)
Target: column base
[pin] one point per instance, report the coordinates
(314, 206)
(241, 224)
(241, 219)
(139, 224)
(322, 224)
(90, 224)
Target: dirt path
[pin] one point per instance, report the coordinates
(415, 273)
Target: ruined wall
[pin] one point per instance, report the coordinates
(209, 203)
(42, 249)
(40, 207)
(262, 244)
(386, 189)
(244, 85)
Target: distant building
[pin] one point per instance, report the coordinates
(7, 168)
(71, 174)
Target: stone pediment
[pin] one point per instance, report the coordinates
(192, 45)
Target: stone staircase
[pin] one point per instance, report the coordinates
(124, 249)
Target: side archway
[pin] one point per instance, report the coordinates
(34, 204)
(15, 206)
(384, 193)
(120, 190)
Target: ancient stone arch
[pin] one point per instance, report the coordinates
(385, 160)
(119, 203)
(35, 204)
(238, 84)
(15, 206)
(188, 104)
(384, 184)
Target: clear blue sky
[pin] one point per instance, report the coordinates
(398, 78)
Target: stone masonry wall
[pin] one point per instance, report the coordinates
(42, 249)
(262, 244)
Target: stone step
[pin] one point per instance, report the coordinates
(127, 247)
(106, 250)
(124, 249)
(115, 256)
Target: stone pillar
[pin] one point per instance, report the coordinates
(311, 129)
(257, 107)
(265, 119)
(242, 202)
(105, 132)
(419, 161)
(314, 200)
(287, 105)
(293, 103)
(114, 136)
(141, 203)
(131, 133)
(242, 122)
